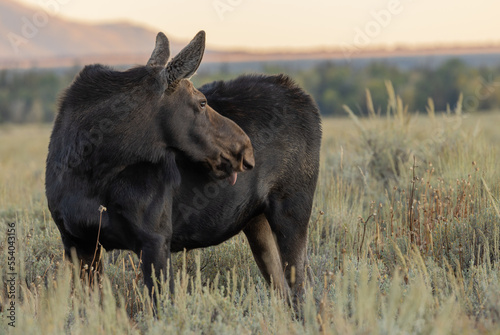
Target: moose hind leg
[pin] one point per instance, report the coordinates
(289, 219)
(266, 253)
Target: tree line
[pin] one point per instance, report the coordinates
(32, 95)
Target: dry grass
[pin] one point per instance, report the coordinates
(404, 238)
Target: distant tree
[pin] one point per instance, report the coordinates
(36, 113)
(443, 85)
(32, 95)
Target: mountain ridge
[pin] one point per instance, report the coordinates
(31, 34)
(36, 37)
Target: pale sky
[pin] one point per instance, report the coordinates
(298, 24)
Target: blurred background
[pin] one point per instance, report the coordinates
(334, 49)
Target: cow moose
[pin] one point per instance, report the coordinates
(164, 159)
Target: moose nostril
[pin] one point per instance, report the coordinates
(247, 159)
(247, 165)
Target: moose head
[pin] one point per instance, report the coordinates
(190, 125)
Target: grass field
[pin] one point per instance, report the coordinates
(404, 239)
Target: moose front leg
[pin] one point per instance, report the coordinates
(156, 261)
(86, 256)
(145, 208)
(91, 266)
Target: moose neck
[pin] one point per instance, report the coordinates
(118, 123)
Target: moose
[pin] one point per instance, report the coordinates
(180, 168)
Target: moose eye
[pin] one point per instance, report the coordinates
(203, 104)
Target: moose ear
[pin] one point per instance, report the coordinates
(185, 64)
(160, 54)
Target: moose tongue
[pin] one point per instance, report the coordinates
(232, 178)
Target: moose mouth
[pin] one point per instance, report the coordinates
(229, 168)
